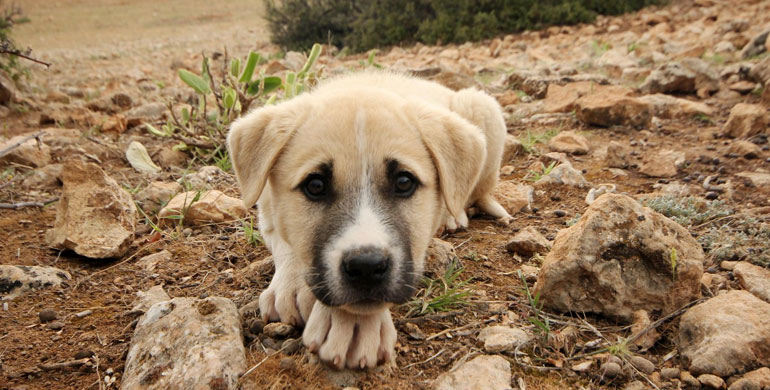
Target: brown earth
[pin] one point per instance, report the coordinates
(100, 47)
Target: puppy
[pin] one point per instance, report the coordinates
(352, 180)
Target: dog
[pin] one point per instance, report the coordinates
(352, 180)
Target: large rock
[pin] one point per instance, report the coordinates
(670, 78)
(726, 335)
(186, 343)
(95, 217)
(527, 242)
(29, 153)
(753, 278)
(664, 163)
(617, 155)
(618, 259)
(483, 372)
(536, 84)
(669, 107)
(16, 280)
(613, 109)
(196, 208)
(499, 338)
(513, 196)
(563, 98)
(760, 72)
(759, 179)
(746, 120)
(149, 112)
(569, 142)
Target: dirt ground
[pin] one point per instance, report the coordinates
(100, 46)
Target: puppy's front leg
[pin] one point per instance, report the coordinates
(343, 339)
(288, 299)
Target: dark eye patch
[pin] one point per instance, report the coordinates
(317, 186)
(401, 182)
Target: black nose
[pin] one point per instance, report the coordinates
(365, 266)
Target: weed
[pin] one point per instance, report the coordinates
(535, 176)
(673, 259)
(688, 211)
(251, 232)
(740, 238)
(530, 139)
(441, 294)
(716, 58)
(370, 63)
(180, 217)
(572, 221)
(620, 348)
(599, 47)
(632, 47)
(541, 322)
(703, 118)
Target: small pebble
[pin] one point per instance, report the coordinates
(5, 306)
(642, 364)
(688, 379)
(109, 371)
(669, 373)
(288, 364)
(559, 213)
(610, 369)
(47, 315)
(535, 209)
(84, 313)
(84, 354)
(291, 346)
(256, 326)
(56, 325)
(712, 195)
(711, 381)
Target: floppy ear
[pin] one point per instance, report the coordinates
(256, 140)
(458, 150)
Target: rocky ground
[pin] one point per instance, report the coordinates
(127, 263)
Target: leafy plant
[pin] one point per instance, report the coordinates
(9, 53)
(530, 140)
(201, 129)
(673, 259)
(441, 294)
(251, 232)
(688, 211)
(541, 322)
(535, 176)
(180, 217)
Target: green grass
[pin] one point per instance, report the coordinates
(538, 318)
(599, 47)
(441, 294)
(530, 140)
(535, 176)
(251, 233)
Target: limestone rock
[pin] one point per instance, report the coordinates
(149, 262)
(759, 179)
(210, 207)
(95, 217)
(563, 174)
(617, 155)
(711, 381)
(145, 299)
(746, 120)
(726, 335)
(186, 343)
(754, 279)
(670, 78)
(157, 194)
(46, 177)
(755, 46)
(483, 372)
(569, 142)
(527, 242)
(662, 164)
(760, 72)
(148, 112)
(30, 152)
(513, 196)
(536, 84)
(744, 149)
(439, 256)
(499, 338)
(760, 376)
(669, 107)
(512, 148)
(16, 280)
(563, 98)
(612, 109)
(617, 259)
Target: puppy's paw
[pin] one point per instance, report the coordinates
(505, 221)
(343, 339)
(288, 299)
(452, 224)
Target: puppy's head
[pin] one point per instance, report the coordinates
(359, 181)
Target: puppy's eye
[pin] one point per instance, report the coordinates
(315, 187)
(405, 184)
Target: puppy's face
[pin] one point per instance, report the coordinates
(355, 194)
(358, 183)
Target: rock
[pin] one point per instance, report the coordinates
(122, 100)
(582, 366)
(744, 149)
(439, 256)
(563, 98)
(563, 174)
(569, 142)
(711, 381)
(277, 330)
(744, 384)
(616, 260)
(512, 148)
(670, 78)
(149, 112)
(755, 46)
(662, 164)
(724, 47)
(205, 178)
(83, 354)
(483, 372)
(157, 194)
(507, 98)
(16, 280)
(610, 370)
(149, 262)
(56, 325)
(90, 195)
(760, 376)
(726, 335)
(527, 242)
(765, 100)
(137, 156)
(513, 196)
(169, 157)
(743, 87)
(186, 343)
(642, 364)
(746, 120)
(754, 279)
(294, 61)
(641, 324)
(669, 107)
(499, 338)
(759, 179)
(46, 177)
(689, 380)
(635, 385)
(29, 153)
(210, 207)
(760, 72)
(536, 85)
(617, 155)
(455, 81)
(8, 90)
(145, 299)
(669, 373)
(47, 315)
(607, 110)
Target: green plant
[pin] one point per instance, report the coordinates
(9, 52)
(370, 63)
(541, 322)
(688, 211)
(572, 221)
(182, 214)
(252, 234)
(535, 176)
(673, 260)
(201, 129)
(530, 140)
(599, 47)
(620, 349)
(701, 117)
(440, 294)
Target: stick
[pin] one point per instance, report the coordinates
(59, 366)
(18, 53)
(16, 206)
(245, 374)
(16, 145)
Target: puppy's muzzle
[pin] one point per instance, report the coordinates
(366, 267)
